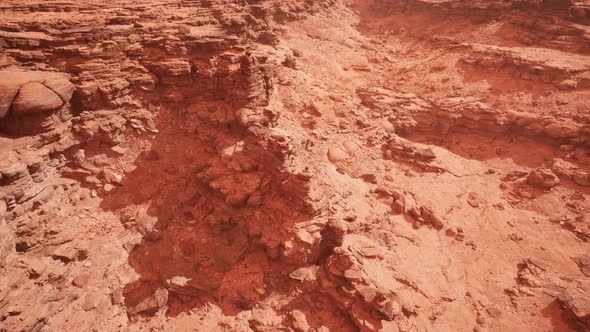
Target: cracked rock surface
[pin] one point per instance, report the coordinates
(309, 166)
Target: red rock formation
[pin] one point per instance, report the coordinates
(376, 165)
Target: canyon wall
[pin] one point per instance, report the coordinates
(370, 165)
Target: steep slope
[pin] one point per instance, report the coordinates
(369, 165)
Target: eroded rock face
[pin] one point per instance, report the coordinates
(30, 99)
(6, 234)
(374, 165)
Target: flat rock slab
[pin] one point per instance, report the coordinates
(33, 91)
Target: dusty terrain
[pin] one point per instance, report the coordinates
(273, 165)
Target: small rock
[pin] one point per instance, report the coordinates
(290, 62)
(451, 232)
(524, 194)
(396, 309)
(336, 97)
(81, 280)
(336, 154)
(567, 148)
(129, 246)
(473, 200)
(543, 178)
(351, 147)
(79, 156)
(354, 274)
(424, 154)
(108, 188)
(388, 127)
(36, 268)
(91, 301)
(299, 321)
(581, 178)
(112, 177)
(117, 297)
(158, 300)
(568, 84)
(119, 150)
(369, 178)
(430, 218)
(305, 273)
(515, 237)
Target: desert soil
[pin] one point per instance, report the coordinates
(272, 165)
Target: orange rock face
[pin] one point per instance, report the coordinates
(336, 165)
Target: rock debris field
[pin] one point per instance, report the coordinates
(305, 166)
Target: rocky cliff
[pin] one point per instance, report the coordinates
(370, 165)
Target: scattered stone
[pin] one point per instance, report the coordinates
(91, 301)
(290, 62)
(119, 150)
(216, 209)
(430, 218)
(515, 237)
(36, 267)
(451, 232)
(305, 273)
(369, 178)
(581, 178)
(543, 178)
(81, 280)
(351, 147)
(568, 84)
(336, 154)
(158, 300)
(265, 319)
(79, 157)
(473, 200)
(108, 188)
(299, 321)
(111, 177)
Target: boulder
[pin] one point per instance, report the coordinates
(564, 169)
(35, 97)
(33, 91)
(61, 86)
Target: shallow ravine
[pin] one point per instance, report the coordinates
(370, 165)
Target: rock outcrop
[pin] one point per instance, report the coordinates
(367, 165)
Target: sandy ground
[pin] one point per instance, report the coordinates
(356, 165)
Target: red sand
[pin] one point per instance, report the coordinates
(337, 165)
